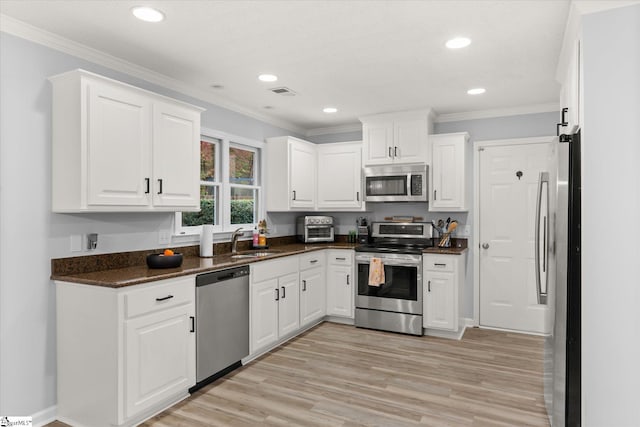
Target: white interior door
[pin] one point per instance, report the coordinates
(508, 189)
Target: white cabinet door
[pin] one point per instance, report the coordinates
(440, 301)
(339, 176)
(302, 180)
(378, 143)
(410, 140)
(288, 305)
(159, 357)
(340, 290)
(118, 146)
(448, 172)
(264, 314)
(312, 295)
(176, 156)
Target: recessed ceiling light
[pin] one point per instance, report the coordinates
(147, 14)
(268, 107)
(476, 91)
(217, 86)
(267, 78)
(330, 110)
(458, 42)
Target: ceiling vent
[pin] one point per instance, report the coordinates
(284, 91)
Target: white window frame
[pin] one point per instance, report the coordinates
(224, 186)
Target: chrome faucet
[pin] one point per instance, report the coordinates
(234, 240)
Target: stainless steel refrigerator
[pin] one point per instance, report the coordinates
(562, 254)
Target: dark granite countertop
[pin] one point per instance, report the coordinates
(445, 251)
(192, 264)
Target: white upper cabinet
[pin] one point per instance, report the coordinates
(340, 176)
(175, 157)
(290, 174)
(117, 148)
(396, 137)
(301, 175)
(449, 165)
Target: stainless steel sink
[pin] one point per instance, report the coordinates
(254, 254)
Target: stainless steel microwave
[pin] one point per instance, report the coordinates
(396, 183)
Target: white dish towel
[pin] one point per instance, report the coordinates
(376, 272)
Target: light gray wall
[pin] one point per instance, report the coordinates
(31, 235)
(336, 137)
(611, 189)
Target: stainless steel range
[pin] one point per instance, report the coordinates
(395, 305)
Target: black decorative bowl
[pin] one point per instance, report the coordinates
(164, 261)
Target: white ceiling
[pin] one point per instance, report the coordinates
(363, 57)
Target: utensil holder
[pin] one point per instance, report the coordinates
(445, 240)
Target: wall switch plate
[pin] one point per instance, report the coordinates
(76, 243)
(164, 237)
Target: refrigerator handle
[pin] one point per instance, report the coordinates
(542, 296)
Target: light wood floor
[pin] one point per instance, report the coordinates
(338, 375)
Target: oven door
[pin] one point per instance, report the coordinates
(402, 290)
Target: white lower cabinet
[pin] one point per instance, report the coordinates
(443, 278)
(313, 289)
(340, 283)
(123, 354)
(274, 301)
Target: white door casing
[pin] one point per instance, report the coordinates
(505, 234)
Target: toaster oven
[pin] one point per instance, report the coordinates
(315, 228)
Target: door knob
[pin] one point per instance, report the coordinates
(485, 246)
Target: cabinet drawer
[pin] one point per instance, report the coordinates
(313, 259)
(160, 296)
(340, 257)
(439, 263)
(265, 270)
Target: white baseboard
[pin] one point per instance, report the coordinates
(342, 320)
(44, 417)
(465, 323)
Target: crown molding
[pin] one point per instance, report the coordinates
(497, 112)
(330, 130)
(37, 35)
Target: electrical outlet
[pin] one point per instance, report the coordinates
(164, 237)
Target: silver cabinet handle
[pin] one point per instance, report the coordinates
(357, 196)
(304, 285)
(277, 294)
(429, 286)
(294, 194)
(313, 261)
(485, 246)
(542, 296)
(439, 264)
(340, 259)
(283, 295)
(147, 183)
(395, 151)
(390, 155)
(348, 278)
(160, 185)
(435, 193)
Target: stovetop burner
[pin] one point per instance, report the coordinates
(400, 238)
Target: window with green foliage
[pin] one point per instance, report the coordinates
(229, 185)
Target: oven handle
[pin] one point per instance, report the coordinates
(319, 226)
(397, 262)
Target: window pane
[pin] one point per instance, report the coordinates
(208, 208)
(241, 166)
(243, 205)
(207, 161)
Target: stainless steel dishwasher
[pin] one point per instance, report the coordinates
(222, 323)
